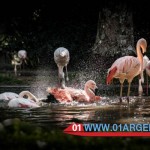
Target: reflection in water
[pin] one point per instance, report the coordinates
(61, 115)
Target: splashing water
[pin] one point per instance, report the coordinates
(43, 79)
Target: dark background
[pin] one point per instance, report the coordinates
(42, 26)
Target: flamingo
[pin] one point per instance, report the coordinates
(22, 54)
(22, 103)
(19, 59)
(61, 58)
(128, 67)
(146, 66)
(29, 101)
(8, 96)
(18, 100)
(69, 94)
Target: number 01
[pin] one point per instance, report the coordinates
(76, 127)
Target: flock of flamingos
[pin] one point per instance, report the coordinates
(126, 67)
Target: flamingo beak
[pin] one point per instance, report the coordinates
(108, 82)
(111, 75)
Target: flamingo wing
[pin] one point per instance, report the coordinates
(126, 67)
(78, 94)
(22, 103)
(8, 95)
(60, 94)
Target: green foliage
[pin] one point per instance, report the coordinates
(9, 80)
(23, 135)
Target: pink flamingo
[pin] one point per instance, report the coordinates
(128, 67)
(69, 94)
(146, 67)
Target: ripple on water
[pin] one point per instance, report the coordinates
(108, 110)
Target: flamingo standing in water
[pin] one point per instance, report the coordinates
(146, 66)
(61, 58)
(19, 59)
(128, 67)
(30, 102)
(68, 94)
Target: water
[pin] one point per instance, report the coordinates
(108, 110)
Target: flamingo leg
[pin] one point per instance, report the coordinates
(62, 83)
(147, 84)
(66, 73)
(15, 69)
(121, 87)
(61, 76)
(140, 87)
(22, 65)
(128, 94)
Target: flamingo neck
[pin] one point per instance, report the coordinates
(89, 92)
(30, 95)
(140, 56)
(16, 61)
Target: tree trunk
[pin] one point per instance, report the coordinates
(114, 32)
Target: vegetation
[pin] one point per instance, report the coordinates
(41, 30)
(16, 134)
(10, 80)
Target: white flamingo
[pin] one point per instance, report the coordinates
(24, 99)
(8, 96)
(29, 102)
(22, 103)
(19, 59)
(61, 58)
(128, 67)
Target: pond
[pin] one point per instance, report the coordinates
(54, 115)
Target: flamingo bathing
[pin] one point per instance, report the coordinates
(68, 94)
(128, 67)
(8, 96)
(61, 58)
(19, 59)
(29, 102)
(18, 100)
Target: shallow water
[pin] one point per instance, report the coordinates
(108, 110)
